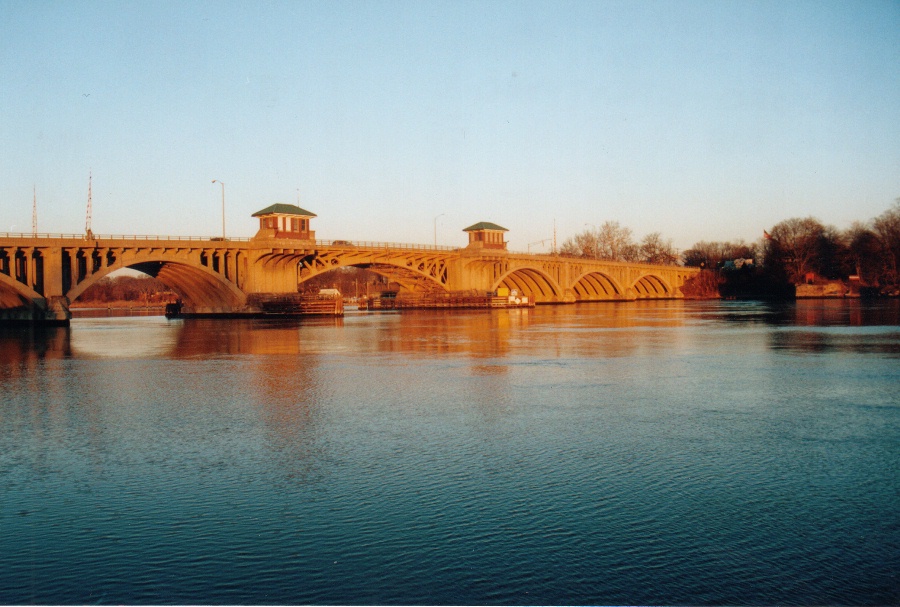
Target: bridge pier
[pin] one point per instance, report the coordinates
(53, 311)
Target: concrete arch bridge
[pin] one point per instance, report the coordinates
(40, 275)
(545, 278)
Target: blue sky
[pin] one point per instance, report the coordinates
(700, 120)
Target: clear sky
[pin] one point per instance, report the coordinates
(701, 120)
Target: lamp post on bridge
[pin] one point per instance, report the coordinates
(435, 227)
(222, 183)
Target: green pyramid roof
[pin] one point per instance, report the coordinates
(283, 209)
(485, 225)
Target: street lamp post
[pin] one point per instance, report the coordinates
(222, 183)
(435, 227)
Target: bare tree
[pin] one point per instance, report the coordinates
(834, 259)
(887, 229)
(712, 254)
(796, 246)
(705, 254)
(654, 249)
(740, 250)
(864, 252)
(583, 244)
(610, 241)
(127, 288)
(615, 244)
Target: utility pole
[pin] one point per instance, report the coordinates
(88, 234)
(34, 213)
(222, 183)
(435, 228)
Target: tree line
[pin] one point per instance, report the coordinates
(350, 281)
(800, 248)
(794, 251)
(614, 242)
(141, 289)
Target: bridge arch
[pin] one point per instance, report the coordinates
(650, 286)
(597, 286)
(14, 294)
(198, 285)
(411, 274)
(533, 283)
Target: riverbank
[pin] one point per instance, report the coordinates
(744, 285)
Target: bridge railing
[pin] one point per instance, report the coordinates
(41, 235)
(365, 244)
(191, 238)
(135, 237)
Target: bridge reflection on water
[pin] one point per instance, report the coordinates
(587, 330)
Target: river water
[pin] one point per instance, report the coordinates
(647, 452)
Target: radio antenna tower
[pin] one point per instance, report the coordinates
(34, 212)
(87, 222)
(554, 237)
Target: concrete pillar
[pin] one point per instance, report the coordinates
(253, 281)
(73, 258)
(11, 259)
(31, 263)
(53, 272)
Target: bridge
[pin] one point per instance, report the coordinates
(42, 274)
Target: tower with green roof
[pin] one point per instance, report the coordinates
(285, 221)
(486, 235)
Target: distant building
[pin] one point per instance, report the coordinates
(285, 221)
(486, 235)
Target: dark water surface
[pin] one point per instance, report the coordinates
(663, 452)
